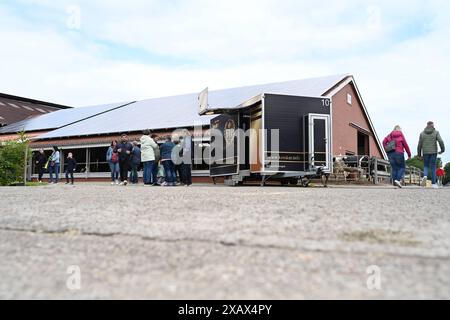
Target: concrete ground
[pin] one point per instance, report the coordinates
(216, 242)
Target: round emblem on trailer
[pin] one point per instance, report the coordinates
(230, 128)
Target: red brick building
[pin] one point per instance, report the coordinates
(87, 131)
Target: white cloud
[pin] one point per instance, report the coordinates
(235, 43)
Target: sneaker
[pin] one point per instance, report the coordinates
(398, 184)
(435, 186)
(117, 182)
(113, 183)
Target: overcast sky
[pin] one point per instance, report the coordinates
(92, 52)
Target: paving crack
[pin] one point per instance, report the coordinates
(225, 243)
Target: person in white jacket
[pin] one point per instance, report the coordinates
(148, 146)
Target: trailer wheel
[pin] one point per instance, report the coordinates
(305, 182)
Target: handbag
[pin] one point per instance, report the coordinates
(391, 146)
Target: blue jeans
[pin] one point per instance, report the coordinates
(54, 170)
(155, 173)
(169, 168)
(398, 165)
(429, 161)
(114, 168)
(148, 172)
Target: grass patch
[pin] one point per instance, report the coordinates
(36, 184)
(382, 237)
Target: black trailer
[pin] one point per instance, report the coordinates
(272, 137)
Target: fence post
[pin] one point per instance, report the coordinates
(25, 166)
(375, 172)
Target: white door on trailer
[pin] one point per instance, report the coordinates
(319, 154)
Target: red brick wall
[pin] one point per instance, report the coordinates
(345, 137)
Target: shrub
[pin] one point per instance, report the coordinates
(12, 160)
(447, 174)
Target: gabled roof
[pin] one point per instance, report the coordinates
(58, 119)
(14, 108)
(182, 111)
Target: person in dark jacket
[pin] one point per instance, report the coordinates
(70, 169)
(166, 159)
(177, 152)
(40, 164)
(135, 162)
(427, 148)
(124, 148)
(187, 158)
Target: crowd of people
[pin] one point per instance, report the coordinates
(395, 146)
(126, 158)
(158, 164)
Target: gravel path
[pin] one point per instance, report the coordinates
(215, 242)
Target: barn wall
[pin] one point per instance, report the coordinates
(344, 115)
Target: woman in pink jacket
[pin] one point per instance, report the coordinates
(397, 156)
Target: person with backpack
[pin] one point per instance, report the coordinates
(40, 164)
(395, 146)
(148, 147)
(166, 159)
(70, 169)
(428, 151)
(135, 163)
(113, 160)
(124, 148)
(54, 165)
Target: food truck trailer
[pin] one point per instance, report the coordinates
(271, 137)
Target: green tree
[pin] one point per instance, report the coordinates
(418, 162)
(447, 174)
(12, 160)
(415, 162)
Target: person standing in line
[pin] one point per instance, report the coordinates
(54, 165)
(124, 149)
(40, 164)
(157, 161)
(71, 168)
(187, 158)
(166, 159)
(395, 145)
(428, 151)
(135, 162)
(113, 160)
(148, 147)
(178, 161)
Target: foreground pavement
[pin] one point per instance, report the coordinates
(215, 242)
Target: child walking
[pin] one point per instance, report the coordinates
(71, 166)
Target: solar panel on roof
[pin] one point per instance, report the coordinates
(182, 111)
(59, 118)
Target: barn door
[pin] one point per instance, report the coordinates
(319, 141)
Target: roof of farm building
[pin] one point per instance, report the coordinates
(182, 111)
(14, 108)
(58, 119)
